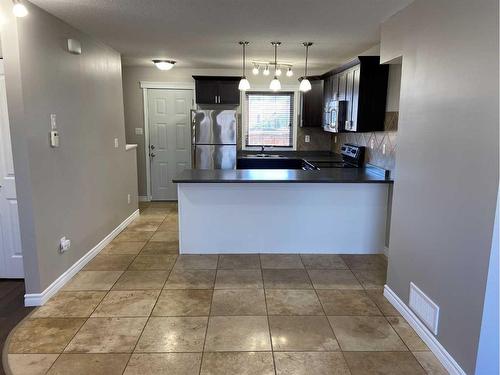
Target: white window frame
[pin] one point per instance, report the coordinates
(295, 117)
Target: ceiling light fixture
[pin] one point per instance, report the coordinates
(164, 64)
(289, 72)
(255, 69)
(19, 9)
(244, 85)
(305, 85)
(266, 71)
(275, 84)
(278, 71)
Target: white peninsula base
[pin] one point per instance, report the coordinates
(328, 218)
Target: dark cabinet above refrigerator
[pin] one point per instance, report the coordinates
(362, 84)
(217, 90)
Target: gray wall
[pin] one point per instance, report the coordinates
(447, 181)
(80, 189)
(134, 112)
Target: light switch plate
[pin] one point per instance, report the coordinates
(372, 143)
(383, 149)
(116, 142)
(307, 138)
(138, 131)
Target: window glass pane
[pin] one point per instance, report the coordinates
(270, 118)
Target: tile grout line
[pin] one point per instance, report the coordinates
(208, 319)
(267, 316)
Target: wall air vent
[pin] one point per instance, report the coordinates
(424, 308)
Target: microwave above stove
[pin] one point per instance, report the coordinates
(335, 116)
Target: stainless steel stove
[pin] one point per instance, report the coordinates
(353, 156)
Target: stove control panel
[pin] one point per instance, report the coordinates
(353, 153)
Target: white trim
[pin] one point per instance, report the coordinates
(167, 85)
(296, 114)
(146, 140)
(144, 198)
(38, 299)
(439, 351)
(386, 251)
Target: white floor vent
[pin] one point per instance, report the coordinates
(424, 308)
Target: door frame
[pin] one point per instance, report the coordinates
(145, 86)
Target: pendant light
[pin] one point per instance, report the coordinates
(305, 85)
(289, 72)
(255, 69)
(266, 70)
(19, 9)
(275, 84)
(244, 84)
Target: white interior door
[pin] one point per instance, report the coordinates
(11, 259)
(169, 139)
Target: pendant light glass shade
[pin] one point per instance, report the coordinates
(244, 85)
(275, 84)
(305, 85)
(19, 10)
(278, 71)
(266, 71)
(255, 70)
(289, 72)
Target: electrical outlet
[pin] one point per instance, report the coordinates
(128, 198)
(383, 149)
(64, 245)
(307, 138)
(372, 143)
(335, 139)
(116, 142)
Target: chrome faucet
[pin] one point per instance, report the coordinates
(262, 147)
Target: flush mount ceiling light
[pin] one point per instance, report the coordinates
(244, 85)
(19, 9)
(275, 84)
(164, 64)
(305, 85)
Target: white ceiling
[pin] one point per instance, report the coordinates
(204, 33)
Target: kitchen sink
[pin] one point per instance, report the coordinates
(267, 156)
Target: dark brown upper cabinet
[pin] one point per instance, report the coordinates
(363, 84)
(217, 90)
(312, 104)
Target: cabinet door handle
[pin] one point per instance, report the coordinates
(215, 99)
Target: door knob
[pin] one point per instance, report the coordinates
(152, 155)
(152, 147)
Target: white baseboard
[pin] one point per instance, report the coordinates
(439, 351)
(144, 198)
(38, 299)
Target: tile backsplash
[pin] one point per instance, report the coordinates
(375, 155)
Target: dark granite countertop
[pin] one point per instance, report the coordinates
(334, 175)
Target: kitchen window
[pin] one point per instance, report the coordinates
(269, 119)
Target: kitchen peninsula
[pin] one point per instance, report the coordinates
(334, 210)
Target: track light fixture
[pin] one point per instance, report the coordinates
(19, 9)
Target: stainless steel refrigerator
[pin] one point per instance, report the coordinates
(214, 139)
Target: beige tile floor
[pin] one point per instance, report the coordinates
(140, 308)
